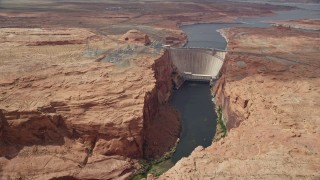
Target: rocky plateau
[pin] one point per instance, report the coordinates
(84, 91)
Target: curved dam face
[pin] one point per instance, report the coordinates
(198, 64)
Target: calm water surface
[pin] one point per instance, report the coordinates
(207, 36)
(194, 102)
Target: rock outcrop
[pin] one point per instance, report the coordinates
(136, 36)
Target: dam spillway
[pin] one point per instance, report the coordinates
(197, 64)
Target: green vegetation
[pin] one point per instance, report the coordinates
(155, 167)
(221, 123)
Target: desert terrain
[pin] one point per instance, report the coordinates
(84, 91)
(309, 24)
(64, 105)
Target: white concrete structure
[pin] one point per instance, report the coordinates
(197, 63)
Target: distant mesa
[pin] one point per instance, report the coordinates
(136, 36)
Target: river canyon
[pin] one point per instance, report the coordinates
(90, 91)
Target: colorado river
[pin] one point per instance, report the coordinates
(198, 116)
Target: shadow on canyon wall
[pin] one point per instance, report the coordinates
(28, 130)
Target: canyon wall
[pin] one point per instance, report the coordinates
(3, 126)
(161, 92)
(234, 109)
(270, 99)
(161, 121)
(64, 114)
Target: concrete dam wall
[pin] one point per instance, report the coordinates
(197, 63)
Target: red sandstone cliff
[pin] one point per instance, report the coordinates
(161, 122)
(73, 116)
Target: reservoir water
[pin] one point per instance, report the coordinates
(207, 35)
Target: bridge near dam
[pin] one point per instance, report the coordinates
(197, 64)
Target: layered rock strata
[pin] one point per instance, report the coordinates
(66, 115)
(161, 121)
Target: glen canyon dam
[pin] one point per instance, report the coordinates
(172, 89)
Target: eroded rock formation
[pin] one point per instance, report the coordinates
(73, 116)
(136, 36)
